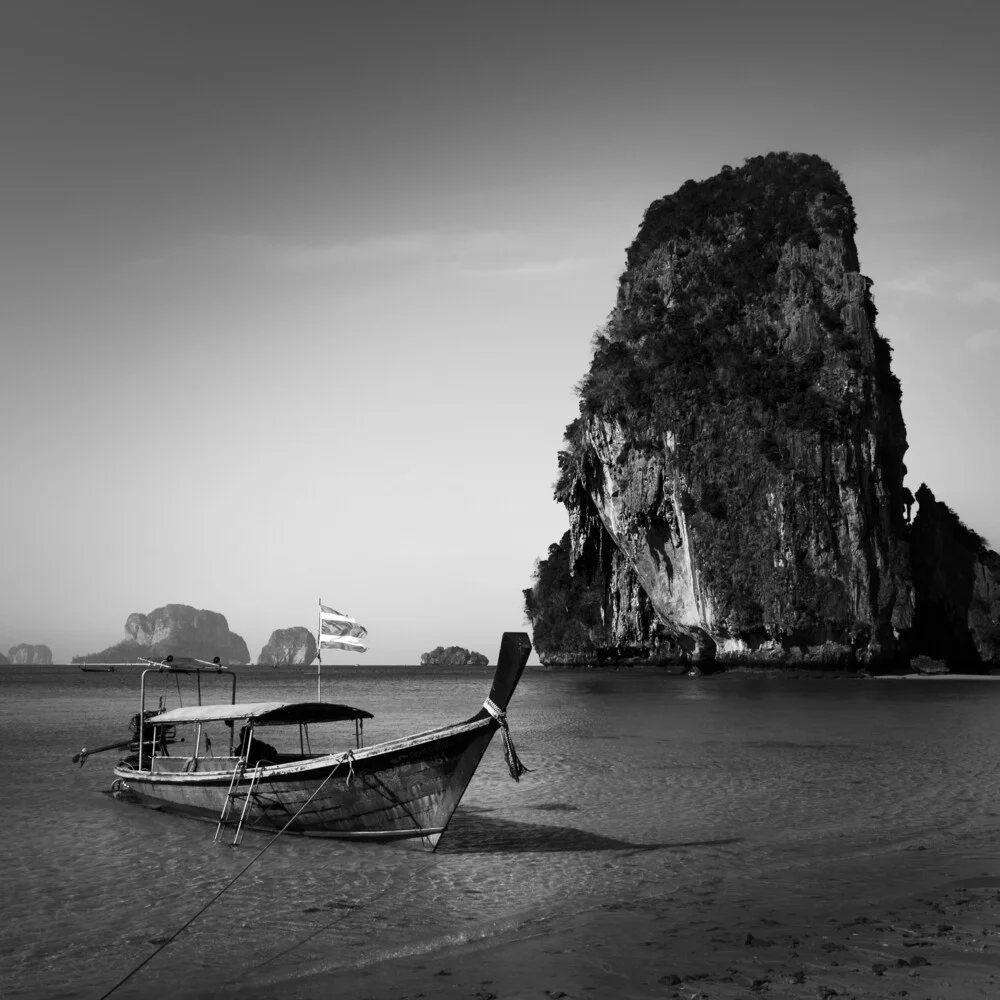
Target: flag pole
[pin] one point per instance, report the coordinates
(319, 651)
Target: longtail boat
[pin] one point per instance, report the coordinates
(405, 789)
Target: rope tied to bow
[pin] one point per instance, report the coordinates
(513, 761)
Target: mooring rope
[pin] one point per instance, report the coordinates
(225, 888)
(514, 764)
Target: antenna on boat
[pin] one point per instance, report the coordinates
(319, 652)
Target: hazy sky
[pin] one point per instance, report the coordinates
(293, 296)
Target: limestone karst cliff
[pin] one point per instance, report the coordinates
(734, 480)
(26, 653)
(178, 629)
(295, 645)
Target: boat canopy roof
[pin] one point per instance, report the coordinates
(263, 713)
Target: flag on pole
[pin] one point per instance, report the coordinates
(340, 631)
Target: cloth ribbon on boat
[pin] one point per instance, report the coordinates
(513, 761)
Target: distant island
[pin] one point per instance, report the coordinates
(24, 652)
(177, 629)
(295, 645)
(453, 656)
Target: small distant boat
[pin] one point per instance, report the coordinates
(405, 789)
(98, 668)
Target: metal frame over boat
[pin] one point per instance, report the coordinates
(404, 789)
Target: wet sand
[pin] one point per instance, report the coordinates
(942, 944)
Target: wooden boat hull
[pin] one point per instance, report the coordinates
(404, 789)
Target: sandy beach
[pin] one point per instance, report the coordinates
(940, 941)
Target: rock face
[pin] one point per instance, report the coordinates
(958, 588)
(453, 656)
(25, 653)
(734, 481)
(177, 629)
(287, 646)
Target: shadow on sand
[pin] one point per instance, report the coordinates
(479, 833)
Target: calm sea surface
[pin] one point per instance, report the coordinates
(641, 784)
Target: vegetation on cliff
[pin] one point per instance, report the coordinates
(453, 656)
(565, 610)
(719, 335)
(126, 651)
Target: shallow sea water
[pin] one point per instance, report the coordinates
(642, 784)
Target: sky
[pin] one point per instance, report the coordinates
(293, 296)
